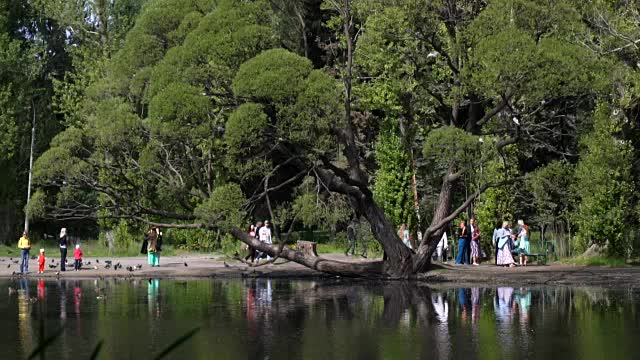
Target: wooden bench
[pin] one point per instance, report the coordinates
(307, 247)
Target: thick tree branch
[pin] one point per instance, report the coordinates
(432, 229)
(496, 109)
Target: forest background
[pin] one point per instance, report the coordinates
(207, 115)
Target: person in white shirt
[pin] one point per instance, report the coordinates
(441, 248)
(265, 235)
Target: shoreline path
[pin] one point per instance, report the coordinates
(212, 266)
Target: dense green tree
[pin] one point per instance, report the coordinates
(605, 169)
(550, 193)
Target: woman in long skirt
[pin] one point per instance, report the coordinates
(475, 242)
(523, 245)
(504, 251)
(152, 255)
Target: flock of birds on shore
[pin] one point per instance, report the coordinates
(108, 264)
(53, 265)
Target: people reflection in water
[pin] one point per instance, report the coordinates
(259, 298)
(476, 294)
(153, 300)
(77, 296)
(265, 293)
(441, 309)
(24, 319)
(465, 305)
(523, 301)
(63, 299)
(503, 305)
(41, 290)
(251, 303)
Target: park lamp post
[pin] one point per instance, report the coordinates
(33, 137)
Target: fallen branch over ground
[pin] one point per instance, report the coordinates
(372, 269)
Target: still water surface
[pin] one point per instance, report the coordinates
(282, 319)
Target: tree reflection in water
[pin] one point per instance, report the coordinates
(328, 319)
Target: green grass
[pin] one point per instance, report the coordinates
(330, 248)
(595, 261)
(337, 248)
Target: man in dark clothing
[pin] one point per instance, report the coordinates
(159, 240)
(351, 238)
(62, 244)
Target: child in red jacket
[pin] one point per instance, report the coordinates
(77, 255)
(41, 260)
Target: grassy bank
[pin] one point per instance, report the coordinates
(596, 261)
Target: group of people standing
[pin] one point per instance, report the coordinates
(468, 243)
(505, 240)
(508, 241)
(24, 244)
(262, 233)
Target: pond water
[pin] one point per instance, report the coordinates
(283, 319)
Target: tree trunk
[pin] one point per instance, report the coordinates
(109, 236)
(399, 257)
(430, 242)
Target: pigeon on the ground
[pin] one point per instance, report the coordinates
(8, 266)
(107, 266)
(130, 268)
(97, 261)
(185, 264)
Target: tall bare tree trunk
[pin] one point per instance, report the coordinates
(429, 244)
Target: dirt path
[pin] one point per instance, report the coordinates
(215, 266)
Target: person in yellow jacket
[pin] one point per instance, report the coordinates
(24, 244)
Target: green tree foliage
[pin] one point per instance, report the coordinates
(222, 207)
(550, 189)
(604, 185)
(393, 190)
(157, 113)
(315, 208)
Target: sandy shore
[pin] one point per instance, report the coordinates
(215, 266)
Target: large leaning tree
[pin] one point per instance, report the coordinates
(203, 116)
